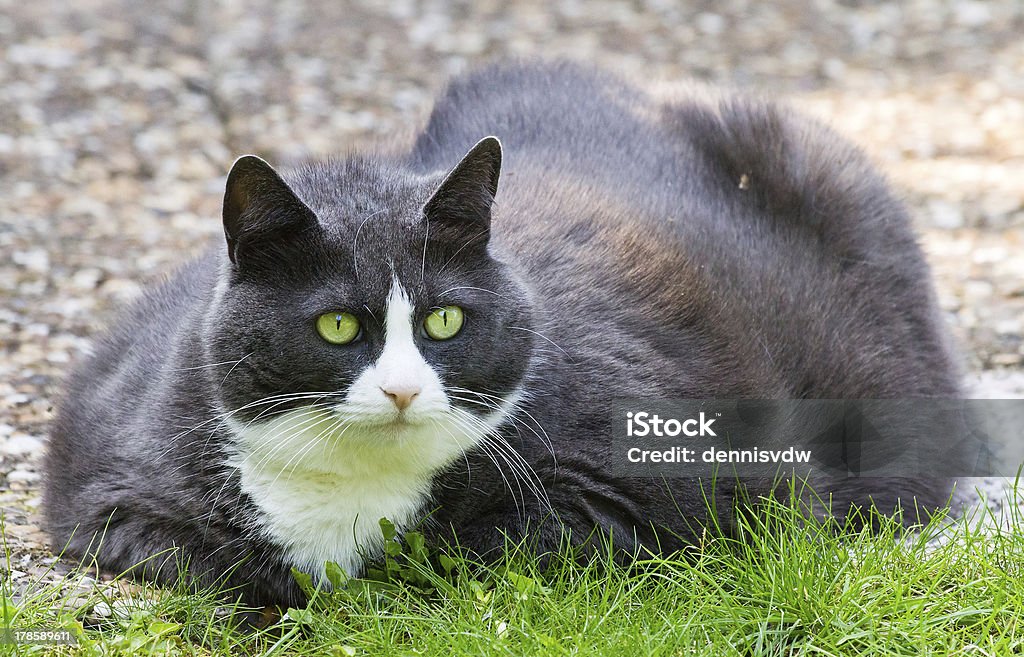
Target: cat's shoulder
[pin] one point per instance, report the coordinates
(174, 303)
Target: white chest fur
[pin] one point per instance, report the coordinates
(326, 505)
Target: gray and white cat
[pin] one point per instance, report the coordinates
(439, 334)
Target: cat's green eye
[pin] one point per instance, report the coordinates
(444, 323)
(338, 327)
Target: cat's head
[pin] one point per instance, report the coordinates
(361, 307)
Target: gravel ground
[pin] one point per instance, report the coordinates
(120, 119)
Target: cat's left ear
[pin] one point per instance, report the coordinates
(464, 199)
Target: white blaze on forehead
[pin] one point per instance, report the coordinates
(401, 365)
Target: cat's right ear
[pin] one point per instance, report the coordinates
(260, 209)
(463, 200)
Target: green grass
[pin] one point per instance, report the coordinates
(782, 588)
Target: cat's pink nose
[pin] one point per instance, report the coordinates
(402, 396)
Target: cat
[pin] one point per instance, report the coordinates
(435, 336)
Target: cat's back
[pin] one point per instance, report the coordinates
(694, 162)
(715, 214)
(556, 115)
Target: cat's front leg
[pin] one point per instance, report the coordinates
(167, 552)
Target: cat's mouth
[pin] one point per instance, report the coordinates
(396, 421)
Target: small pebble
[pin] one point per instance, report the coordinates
(20, 444)
(35, 260)
(102, 610)
(23, 477)
(946, 215)
(1006, 360)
